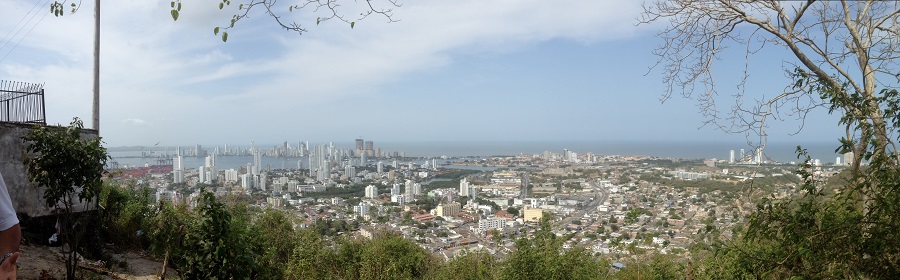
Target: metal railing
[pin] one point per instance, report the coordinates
(22, 102)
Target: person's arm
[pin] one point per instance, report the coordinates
(10, 239)
(10, 235)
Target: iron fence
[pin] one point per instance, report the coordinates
(22, 102)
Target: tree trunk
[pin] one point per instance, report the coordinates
(165, 265)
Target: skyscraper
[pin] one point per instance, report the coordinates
(350, 171)
(463, 187)
(261, 185)
(371, 191)
(524, 187)
(379, 167)
(759, 155)
(359, 146)
(257, 162)
(202, 173)
(731, 157)
(177, 163)
(848, 158)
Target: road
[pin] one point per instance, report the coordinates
(591, 206)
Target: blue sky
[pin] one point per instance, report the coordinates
(447, 71)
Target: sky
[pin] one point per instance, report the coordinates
(465, 71)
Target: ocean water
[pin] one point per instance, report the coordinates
(782, 152)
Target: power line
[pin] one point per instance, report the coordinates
(23, 36)
(20, 29)
(20, 21)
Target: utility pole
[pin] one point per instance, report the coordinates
(96, 107)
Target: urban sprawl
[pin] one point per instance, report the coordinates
(619, 207)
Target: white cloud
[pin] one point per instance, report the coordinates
(134, 121)
(180, 76)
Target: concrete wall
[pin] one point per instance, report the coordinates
(27, 199)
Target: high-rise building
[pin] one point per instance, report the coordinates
(742, 155)
(447, 210)
(350, 171)
(379, 167)
(434, 164)
(359, 146)
(395, 189)
(371, 191)
(246, 181)
(261, 185)
(362, 209)
(211, 167)
(324, 171)
(203, 174)
(837, 161)
(848, 158)
(177, 176)
(490, 224)
(524, 187)
(398, 198)
(257, 162)
(178, 163)
(413, 189)
(231, 175)
(759, 155)
(731, 157)
(533, 214)
(463, 187)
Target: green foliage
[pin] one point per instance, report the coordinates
(390, 256)
(124, 211)
(477, 264)
(512, 210)
(212, 247)
(68, 168)
(543, 257)
(441, 185)
(65, 164)
(456, 174)
(659, 267)
(276, 239)
(386, 256)
(311, 260)
(826, 234)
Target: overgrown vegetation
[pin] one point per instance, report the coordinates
(221, 240)
(68, 167)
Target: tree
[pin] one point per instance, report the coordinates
(543, 257)
(477, 264)
(68, 167)
(349, 12)
(841, 52)
(513, 211)
(841, 58)
(214, 247)
(276, 239)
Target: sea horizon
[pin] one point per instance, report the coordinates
(774, 151)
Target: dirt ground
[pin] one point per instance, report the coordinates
(38, 262)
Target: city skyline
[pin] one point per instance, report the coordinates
(474, 72)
